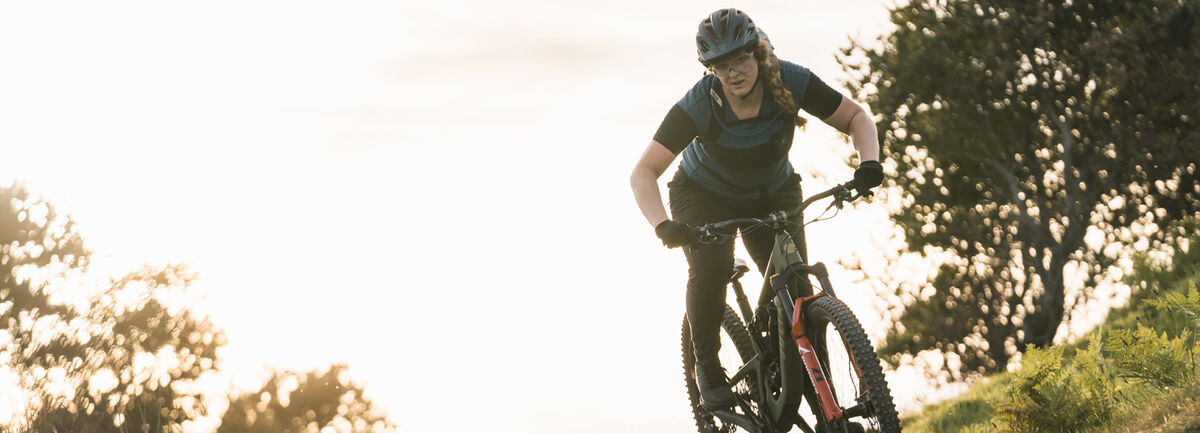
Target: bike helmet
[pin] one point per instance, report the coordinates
(723, 32)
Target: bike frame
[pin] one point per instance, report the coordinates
(796, 356)
(784, 254)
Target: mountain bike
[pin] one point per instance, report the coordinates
(797, 345)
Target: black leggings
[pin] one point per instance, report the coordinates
(710, 267)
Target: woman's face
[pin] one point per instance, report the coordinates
(737, 74)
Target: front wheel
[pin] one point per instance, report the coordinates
(851, 367)
(732, 355)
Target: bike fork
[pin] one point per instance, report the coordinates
(812, 364)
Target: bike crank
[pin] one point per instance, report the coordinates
(743, 421)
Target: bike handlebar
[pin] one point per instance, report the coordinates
(846, 192)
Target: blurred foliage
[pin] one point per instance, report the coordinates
(137, 364)
(33, 236)
(1027, 136)
(317, 401)
(1155, 281)
(126, 355)
(129, 354)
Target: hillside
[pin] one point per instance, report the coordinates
(1138, 372)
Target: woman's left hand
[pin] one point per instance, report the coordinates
(868, 175)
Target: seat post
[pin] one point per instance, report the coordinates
(740, 269)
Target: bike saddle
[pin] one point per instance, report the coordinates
(740, 267)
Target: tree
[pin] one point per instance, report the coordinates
(33, 238)
(126, 356)
(319, 400)
(1026, 136)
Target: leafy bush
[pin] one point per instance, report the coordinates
(1153, 357)
(1148, 365)
(1188, 303)
(1051, 394)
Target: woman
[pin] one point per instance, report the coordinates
(734, 129)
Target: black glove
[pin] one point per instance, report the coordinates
(674, 234)
(868, 175)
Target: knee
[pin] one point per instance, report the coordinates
(708, 279)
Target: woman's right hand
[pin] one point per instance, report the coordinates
(674, 234)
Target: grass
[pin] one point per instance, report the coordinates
(1172, 411)
(973, 409)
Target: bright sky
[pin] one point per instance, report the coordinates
(435, 193)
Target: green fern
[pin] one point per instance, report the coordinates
(1188, 303)
(1153, 357)
(1052, 395)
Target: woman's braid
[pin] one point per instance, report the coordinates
(769, 71)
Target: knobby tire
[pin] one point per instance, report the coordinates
(733, 327)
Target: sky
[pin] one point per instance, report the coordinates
(435, 193)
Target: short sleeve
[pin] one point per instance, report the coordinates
(697, 103)
(820, 100)
(796, 78)
(676, 131)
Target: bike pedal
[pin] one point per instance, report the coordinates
(731, 417)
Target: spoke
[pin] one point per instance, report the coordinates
(847, 386)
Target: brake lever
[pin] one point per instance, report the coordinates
(843, 196)
(707, 236)
(850, 194)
